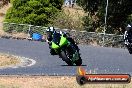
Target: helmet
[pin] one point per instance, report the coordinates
(50, 29)
(129, 27)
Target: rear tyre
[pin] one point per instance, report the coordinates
(79, 62)
(65, 58)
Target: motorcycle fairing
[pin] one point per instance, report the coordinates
(58, 41)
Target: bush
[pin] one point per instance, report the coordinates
(65, 21)
(34, 12)
(15, 27)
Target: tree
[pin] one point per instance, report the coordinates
(35, 12)
(119, 12)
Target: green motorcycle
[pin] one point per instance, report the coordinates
(66, 50)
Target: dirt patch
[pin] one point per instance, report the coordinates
(12, 61)
(20, 35)
(7, 60)
(51, 82)
(3, 11)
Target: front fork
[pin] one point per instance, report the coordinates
(75, 53)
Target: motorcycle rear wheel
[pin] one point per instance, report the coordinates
(79, 62)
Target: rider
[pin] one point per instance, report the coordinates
(50, 32)
(128, 34)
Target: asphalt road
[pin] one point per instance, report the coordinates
(95, 59)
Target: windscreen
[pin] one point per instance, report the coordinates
(56, 38)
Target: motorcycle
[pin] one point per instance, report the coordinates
(128, 42)
(66, 50)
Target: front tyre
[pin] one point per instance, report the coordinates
(65, 58)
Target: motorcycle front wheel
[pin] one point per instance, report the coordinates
(65, 58)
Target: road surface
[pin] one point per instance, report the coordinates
(95, 59)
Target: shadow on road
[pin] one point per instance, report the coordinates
(73, 65)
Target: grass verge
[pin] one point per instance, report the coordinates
(51, 82)
(7, 60)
